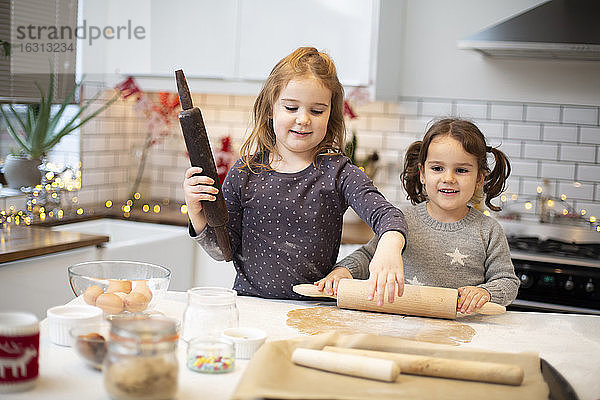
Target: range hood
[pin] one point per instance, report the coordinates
(557, 29)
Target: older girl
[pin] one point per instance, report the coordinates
(287, 194)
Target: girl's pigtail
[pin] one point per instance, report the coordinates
(410, 175)
(495, 182)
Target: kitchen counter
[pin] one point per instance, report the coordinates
(19, 242)
(570, 343)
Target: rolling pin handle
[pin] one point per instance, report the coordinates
(185, 98)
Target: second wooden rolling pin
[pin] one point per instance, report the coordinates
(424, 301)
(480, 371)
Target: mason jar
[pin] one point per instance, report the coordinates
(141, 362)
(209, 311)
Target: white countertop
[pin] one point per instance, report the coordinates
(570, 343)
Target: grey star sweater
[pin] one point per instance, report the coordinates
(285, 228)
(469, 252)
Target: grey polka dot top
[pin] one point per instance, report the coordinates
(285, 228)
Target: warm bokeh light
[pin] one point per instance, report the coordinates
(563, 197)
(79, 211)
(183, 209)
(108, 204)
(539, 189)
(137, 196)
(145, 208)
(565, 211)
(592, 219)
(528, 205)
(156, 208)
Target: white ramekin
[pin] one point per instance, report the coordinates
(246, 340)
(62, 318)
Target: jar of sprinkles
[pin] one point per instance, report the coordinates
(211, 355)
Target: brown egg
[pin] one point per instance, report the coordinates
(118, 285)
(142, 287)
(110, 303)
(121, 295)
(136, 301)
(91, 294)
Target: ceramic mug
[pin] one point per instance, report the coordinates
(19, 351)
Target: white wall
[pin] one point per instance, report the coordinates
(434, 67)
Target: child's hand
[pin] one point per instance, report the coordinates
(332, 280)
(196, 189)
(471, 298)
(386, 269)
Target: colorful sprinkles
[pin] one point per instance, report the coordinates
(211, 364)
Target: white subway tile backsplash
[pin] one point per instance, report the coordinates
(491, 129)
(404, 107)
(588, 172)
(574, 152)
(591, 209)
(581, 191)
(436, 109)
(416, 125)
(590, 135)
(471, 110)
(524, 168)
(512, 112)
(523, 131)
(559, 133)
(384, 124)
(557, 170)
(511, 149)
(561, 142)
(540, 151)
(580, 115)
(542, 113)
(375, 107)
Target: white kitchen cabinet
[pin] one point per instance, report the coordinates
(271, 29)
(230, 46)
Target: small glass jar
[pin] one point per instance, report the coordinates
(209, 311)
(141, 362)
(210, 356)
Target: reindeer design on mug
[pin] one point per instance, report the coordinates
(17, 365)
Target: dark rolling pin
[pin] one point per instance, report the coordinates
(198, 147)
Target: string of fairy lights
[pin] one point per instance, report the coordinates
(57, 197)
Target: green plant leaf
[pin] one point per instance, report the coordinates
(12, 131)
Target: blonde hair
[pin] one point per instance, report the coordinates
(303, 62)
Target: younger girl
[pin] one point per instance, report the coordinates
(450, 243)
(287, 194)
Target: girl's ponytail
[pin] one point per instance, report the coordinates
(495, 181)
(410, 176)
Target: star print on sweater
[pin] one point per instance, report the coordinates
(457, 257)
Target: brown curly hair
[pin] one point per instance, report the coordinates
(303, 62)
(474, 143)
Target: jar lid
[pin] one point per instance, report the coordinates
(217, 296)
(144, 329)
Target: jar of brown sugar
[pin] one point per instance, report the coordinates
(141, 362)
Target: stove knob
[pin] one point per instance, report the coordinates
(569, 285)
(589, 287)
(526, 281)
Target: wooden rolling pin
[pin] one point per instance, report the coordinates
(347, 364)
(424, 301)
(198, 147)
(506, 374)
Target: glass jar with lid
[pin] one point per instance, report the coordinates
(141, 362)
(209, 311)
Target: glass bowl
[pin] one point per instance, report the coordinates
(90, 342)
(119, 286)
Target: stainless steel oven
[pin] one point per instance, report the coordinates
(558, 265)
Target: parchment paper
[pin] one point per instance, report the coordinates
(271, 374)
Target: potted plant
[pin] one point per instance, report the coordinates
(38, 131)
